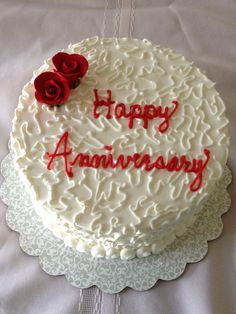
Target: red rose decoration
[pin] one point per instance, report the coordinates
(51, 88)
(72, 67)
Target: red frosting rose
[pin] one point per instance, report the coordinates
(51, 88)
(72, 67)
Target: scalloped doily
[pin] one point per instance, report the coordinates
(111, 276)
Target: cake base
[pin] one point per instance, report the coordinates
(127, 162)
(110, 276)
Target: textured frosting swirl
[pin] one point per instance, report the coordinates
(129, 212)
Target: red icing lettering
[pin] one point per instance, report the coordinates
(63, 154)
(166, 115)
(145, 161)
(108, 147)
(99, 103)
(136, 111)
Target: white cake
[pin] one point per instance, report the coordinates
(135, 205)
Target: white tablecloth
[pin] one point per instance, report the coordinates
(205, 32)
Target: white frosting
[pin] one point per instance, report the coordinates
(112, 212)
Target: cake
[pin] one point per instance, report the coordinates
(120, 159)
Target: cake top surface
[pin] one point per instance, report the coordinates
(126, 201)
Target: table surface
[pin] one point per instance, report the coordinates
(203, 31)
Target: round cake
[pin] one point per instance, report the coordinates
(120, 159)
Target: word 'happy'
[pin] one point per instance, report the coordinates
(145, 113)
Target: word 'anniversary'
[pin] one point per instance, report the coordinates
(148, 163)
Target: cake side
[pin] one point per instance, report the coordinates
(122, 212)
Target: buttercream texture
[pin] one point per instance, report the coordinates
(122, 213)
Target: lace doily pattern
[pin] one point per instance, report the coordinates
(111, 276)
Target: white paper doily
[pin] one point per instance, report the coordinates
(110, 276)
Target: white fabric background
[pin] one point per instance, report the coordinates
(205, 32)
